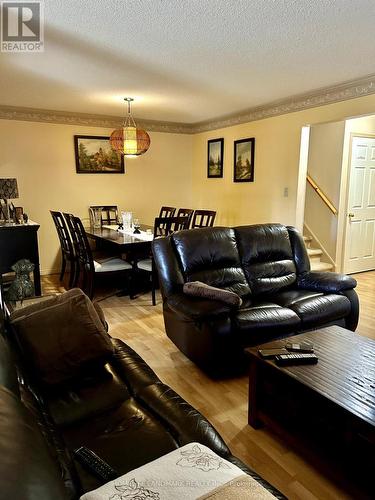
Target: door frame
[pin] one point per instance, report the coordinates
(341, 249)
(301, 181)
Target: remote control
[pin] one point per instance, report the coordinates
(95, 464)
(271, 353)
(300, 346)
(296, 359)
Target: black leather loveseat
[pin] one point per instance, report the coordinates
(118, 408)
(268, 267)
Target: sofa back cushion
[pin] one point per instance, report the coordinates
(211, 255)
(266, 257)
(62, 340)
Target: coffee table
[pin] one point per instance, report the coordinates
(332, 402)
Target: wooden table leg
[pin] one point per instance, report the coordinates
(253, 419)
(37, 286)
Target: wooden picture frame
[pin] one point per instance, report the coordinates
(94, 155)
(215, 158)
(244, 160)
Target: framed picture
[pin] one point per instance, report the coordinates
(94, 155)
(18, 214)
(215, 153)
(243, 170)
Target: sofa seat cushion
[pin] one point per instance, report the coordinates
(266, 318)
(316, 311)
(287, 298)
(126, 437)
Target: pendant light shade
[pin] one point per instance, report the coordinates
(130, 140)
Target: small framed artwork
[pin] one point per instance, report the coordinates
(215, 154)
(243, 170)
(94, 155)
(18, 215)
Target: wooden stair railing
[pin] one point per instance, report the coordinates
(320, 193)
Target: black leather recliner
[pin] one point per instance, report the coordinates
(121, 410)
(268, 266)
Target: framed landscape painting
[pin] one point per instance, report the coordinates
(94, 155)
(215, 152)
(244, 160)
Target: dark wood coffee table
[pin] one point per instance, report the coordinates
(332, 402)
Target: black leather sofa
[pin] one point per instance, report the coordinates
(268, 266)
(121, 410)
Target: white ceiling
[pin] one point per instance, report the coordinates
(188, 60)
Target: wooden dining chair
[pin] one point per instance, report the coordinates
(90, 268)
(163, 226)
(66, 246)
(167, 212)
(203, 218)
(109, 215)
(186, 212)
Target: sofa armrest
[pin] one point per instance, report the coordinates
(133, 370)
(185, 423)
(325, 282)
(195, 308)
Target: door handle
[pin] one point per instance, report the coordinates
(351, 215)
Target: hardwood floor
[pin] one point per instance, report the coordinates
(295, 472)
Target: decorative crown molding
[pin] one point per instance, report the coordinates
(88, 120)
(320, 97)
(327, 95)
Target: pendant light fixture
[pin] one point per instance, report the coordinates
(130, 140)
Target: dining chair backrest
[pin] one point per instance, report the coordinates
(164, 226)
(109, 214)
(80, 242)
(185, 212)
(167, 212)
(63, 233)
(203, 218)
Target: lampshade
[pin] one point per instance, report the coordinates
(8, 189)
(130, 140)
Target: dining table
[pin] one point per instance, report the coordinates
(131, 246)
(120, 239)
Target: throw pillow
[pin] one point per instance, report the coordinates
(61, 340)
(199, 289)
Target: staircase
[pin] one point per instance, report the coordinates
(315, 255)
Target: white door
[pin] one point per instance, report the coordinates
(360, 230)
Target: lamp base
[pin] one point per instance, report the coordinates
(8, 211)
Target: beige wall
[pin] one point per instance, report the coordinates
(363, 125)
(173, 171)
(276, 165)
(41, 157)
(324, 166)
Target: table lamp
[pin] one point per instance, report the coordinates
(8, 191)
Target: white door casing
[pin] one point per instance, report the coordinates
(360, 229)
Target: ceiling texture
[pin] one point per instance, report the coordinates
(188, 61)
